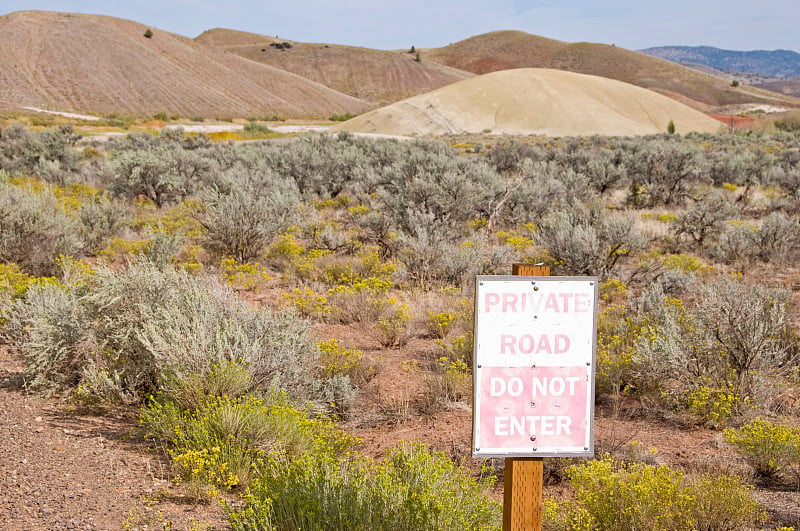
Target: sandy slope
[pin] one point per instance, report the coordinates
(534, 101)
(375, 75)
(99, 64)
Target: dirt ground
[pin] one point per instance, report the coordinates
(62, 470)
(71, 470)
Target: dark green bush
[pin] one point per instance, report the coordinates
(341, 117)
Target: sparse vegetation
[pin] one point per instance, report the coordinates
(614, 495)
(170, 272)
(341, 117)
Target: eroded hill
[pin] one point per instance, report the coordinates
(534, 101)
(504, 50)
(100, 64)
(375, 75)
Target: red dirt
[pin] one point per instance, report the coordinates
(737, 122)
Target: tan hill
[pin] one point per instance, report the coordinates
(790, 87)
(100, 64)
(375, 75)
(516, 49)
(534, 101)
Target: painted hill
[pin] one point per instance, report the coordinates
(100, 64)
(374, 75)
(776, 63)
(790, 87)
(515, 49)
(534, 101)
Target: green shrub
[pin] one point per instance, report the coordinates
(541, 187)
(15, 284)
(393, 327)
(101, 219)
(662, 172)
(769, 448)
(127, 333)
(49, 154)
(46, 327)
(255, 129)
(702, 223)
(337, 360)
(612, 495)
(585, 241)
(36, 229)
(241, 223)
(341, 117)
(219, 441)
(412, 489)
(728, 340)
(164, 169)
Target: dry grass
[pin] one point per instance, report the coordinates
(100, 64)
(374, 75)
(503, 50)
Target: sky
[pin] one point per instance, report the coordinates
(397, 24)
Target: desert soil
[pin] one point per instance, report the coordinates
(73, 470)
(62, 470)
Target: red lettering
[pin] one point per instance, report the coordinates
(562, 343)
(544, 345)
(489, 300)
(581, 302)
(507, 342)
(509, 301)
(526, 343)
(531, 344)
(552, 302)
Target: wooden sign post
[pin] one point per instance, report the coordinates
(534, 379)
(523, 477)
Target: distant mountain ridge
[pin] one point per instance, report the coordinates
(782, 64)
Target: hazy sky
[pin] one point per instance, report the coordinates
(384, 24)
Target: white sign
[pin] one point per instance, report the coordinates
(534, 366)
